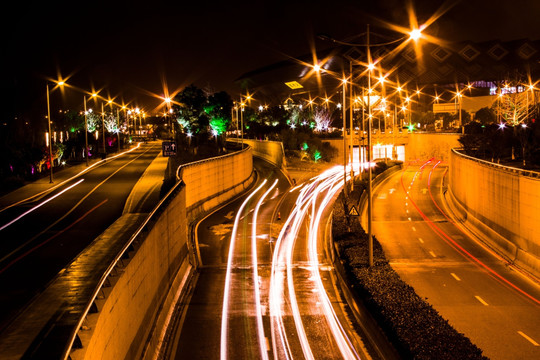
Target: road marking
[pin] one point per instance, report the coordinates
(413, 228)
(455, 276)
(409, 219)
(432, 254)
(528, 338)
(481, 300)
(229, 215)
(421, 241)
(267, 344)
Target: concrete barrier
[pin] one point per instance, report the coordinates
(430, 145)
(213, 181)
(271, 151)
(501, 204)
(135, 299)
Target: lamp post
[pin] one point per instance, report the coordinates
(60, 83)
(414, 35)
(344, 108)
(103, 126)
(85, 132)
(50, 136)
(118, 128)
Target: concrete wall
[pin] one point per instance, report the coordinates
(120, 328)
(501, 203)
(417, 145)
(424, 146)
(271, 151)
(213, 181)
(134, 310)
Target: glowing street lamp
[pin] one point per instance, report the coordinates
(415, 34)
(59, 83)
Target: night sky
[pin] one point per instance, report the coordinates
(133, 49)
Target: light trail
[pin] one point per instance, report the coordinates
(226, 291)
(40, 205)
(260, 326)
(307, 203)
(52, 237)
(344, 344)
(70, 179)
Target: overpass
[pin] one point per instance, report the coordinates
(145, 271)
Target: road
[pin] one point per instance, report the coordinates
(481, 295)
(39, 238)
(267, 288)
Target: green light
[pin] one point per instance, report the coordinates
(411, 127)
(219, 125)
(317, 155)
(305, 146)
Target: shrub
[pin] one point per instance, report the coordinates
(416, 329)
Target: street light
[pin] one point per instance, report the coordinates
(59, 83)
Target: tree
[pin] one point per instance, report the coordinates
(323, 119)
(485, 116)
(189, 110)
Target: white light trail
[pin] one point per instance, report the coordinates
(328, 183)
(226, 292)
(40, 205)
(260, 326)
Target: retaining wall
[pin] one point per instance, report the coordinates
(120, 328)
(135, 302)
(502, 203)
(271, 151)
(213, 181)
(427, 145)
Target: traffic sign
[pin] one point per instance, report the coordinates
(169, 148)
(353, 211)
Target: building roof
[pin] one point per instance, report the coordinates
(439, 65)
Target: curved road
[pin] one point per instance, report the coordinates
(480, 294)
(266, 289)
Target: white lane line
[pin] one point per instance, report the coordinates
(413, 228)
(409, 219)
(481, 300)
(455, 276)
(528, 338)
(432, 254)
(421, 240)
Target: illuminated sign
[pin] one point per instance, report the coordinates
(294, 85)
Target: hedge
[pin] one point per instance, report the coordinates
(415, 328)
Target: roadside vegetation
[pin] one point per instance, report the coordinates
(412, 325)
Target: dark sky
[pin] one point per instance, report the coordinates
(129, 48)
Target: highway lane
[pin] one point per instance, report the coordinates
(261, 295)
(481, 295)
(39, 245)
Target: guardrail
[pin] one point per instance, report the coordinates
(116, 263)
(194, 163)
(514, 170)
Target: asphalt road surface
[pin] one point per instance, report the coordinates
(480, 294)
(41, 237)
(264, 279)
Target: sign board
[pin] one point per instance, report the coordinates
(294, 85)
(169, 148)
(353, 211)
